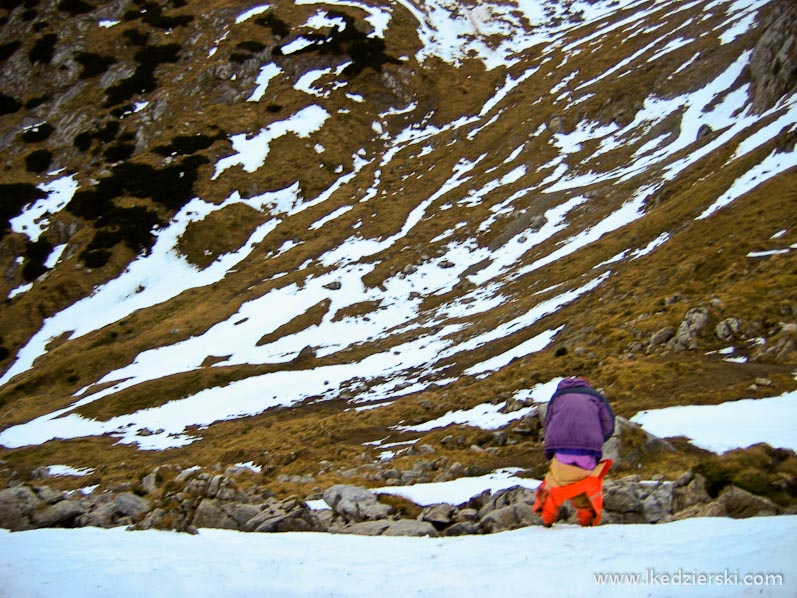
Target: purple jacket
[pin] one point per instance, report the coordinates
(578, 421)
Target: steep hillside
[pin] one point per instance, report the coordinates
(287, 234)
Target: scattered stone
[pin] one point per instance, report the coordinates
(729, 329)
(690, 328)
(357, 510)
(556, 124)
(662, 336)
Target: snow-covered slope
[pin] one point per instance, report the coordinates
(497, 195)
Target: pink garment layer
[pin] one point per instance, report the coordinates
(583, 461)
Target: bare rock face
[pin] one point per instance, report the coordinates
(773, 64)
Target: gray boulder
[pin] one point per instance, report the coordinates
(210, 514)
(695, 320)
(439, 515)
(355, 503)
(131, 505)
(512, 516)
(729, 329)
(657, 505)
(463, 528)
(17, 505)
(506, 509)
(61, 514)
(690, 491)
(622, 502)
(712, 509)
(410, 527)
(289, 515)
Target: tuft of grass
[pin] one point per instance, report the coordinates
(401, 507)
(760, 469)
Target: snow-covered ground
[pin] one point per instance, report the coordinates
(697, 557)
(772, 420)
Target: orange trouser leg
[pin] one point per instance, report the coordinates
(545, 506)
(586, 495)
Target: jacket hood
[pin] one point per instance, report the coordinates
(575, 382)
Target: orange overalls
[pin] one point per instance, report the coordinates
(584, 489)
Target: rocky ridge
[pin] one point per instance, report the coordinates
(403, 260)
(188, 500)
(214, 501)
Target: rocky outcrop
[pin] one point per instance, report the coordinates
(691, 327)
(630, 443)
(630, 500)
(773, 63)
(199, 500)
(355, 504)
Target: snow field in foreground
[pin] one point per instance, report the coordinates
(730, 557)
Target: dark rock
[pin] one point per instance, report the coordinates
(704, 131)
(439, 515)
(741, 504)
(463, 528)
(61, 514)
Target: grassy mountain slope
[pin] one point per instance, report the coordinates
(328, 220)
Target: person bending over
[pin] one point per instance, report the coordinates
(578, 421)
